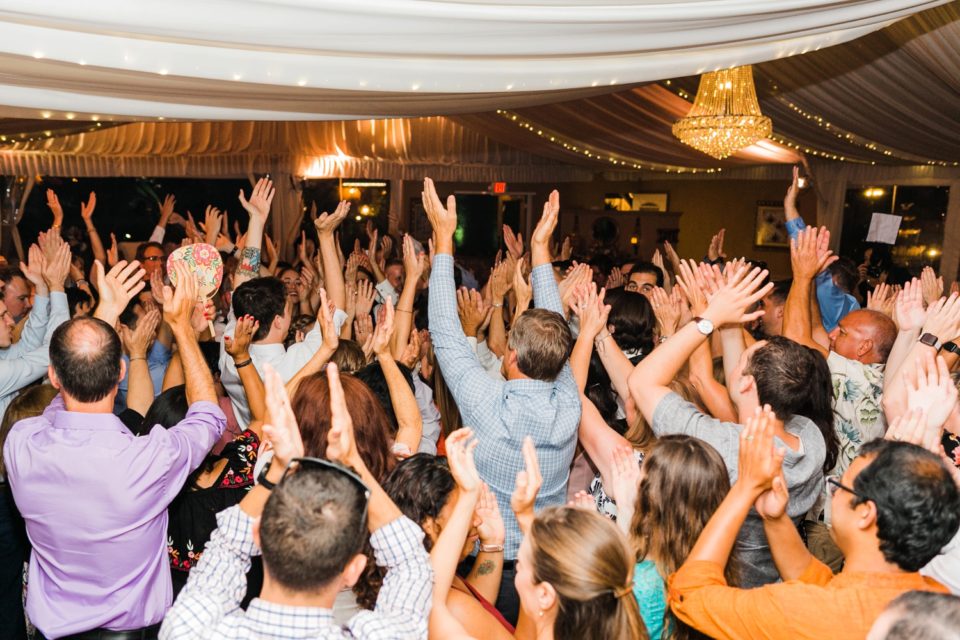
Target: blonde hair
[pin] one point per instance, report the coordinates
(589, 564)
(29, 404)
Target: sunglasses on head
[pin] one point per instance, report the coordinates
(327, 465)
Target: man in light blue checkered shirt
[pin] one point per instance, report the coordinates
(539, 398)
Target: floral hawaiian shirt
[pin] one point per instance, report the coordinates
(858, 416)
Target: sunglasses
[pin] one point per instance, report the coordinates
(327, 465)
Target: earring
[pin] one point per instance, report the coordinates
(541, 613)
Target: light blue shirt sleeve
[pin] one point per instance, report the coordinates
(835, 303)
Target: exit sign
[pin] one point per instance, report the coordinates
(498, 187)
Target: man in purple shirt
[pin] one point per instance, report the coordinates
(93, 496)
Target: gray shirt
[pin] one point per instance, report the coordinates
(802, 469)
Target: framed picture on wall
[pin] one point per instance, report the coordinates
(771, 230)
(646, 201)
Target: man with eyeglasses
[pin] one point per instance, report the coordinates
(894, 509)
(309, 518)
(151, 257)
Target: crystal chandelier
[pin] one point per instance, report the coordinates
(725, 116)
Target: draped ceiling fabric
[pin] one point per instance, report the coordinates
(337, 59)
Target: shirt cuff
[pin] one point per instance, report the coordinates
(693, 575)
(795, 226)
(236, 531)
(396, 542)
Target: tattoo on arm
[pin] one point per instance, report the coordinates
(486, 567)
(249, 262)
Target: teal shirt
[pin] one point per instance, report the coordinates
(651, 594)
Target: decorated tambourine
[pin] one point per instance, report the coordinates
(206, 265)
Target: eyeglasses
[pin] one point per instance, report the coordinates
(327, 465)
(833, 484)
(151, 259)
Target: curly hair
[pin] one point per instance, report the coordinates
(917, 501)
(420, 486)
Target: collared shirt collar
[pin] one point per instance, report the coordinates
(88, 421)
(270, 619)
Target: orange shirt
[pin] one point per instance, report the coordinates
(817, 605)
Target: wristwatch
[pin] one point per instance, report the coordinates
(262, 479)
(952, 347)
(704, 326)
(931, 341)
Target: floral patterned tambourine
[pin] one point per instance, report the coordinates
(204, 262)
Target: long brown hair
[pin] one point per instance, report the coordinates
(311, 405)
(640, 435)
(29, 404)
(589, 563)
(684, 482)
(450, 419)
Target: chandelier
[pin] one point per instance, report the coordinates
(725, 116)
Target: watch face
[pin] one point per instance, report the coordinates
(704, 326)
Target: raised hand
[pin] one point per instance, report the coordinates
(54, 203)
(715, 250)
(33, 270)
(522, 287)
(491, 528)
(943, 319)
(113, 253)
(667, 308)
(460, 447)
(117, 288)
(591, 310)
(931, 390)
(625, 482)
(327, 223)
(808, 256)
(443, 218)
(179, 304)
(543, 233)
(384, 331)
(741, 290)
(86, 209)
(212, 224)
(57, 267)
(566, 249)
(341, 443)
(280, 428)
(527, 486)
(258, 206)
(238, 346)
(690, 285)
(501, 281)
(366, 294)
(908, 311)
(137, 343)
(932, 285)
(363, 332)
(166, 210)
(615, 280)
(331, 339)
(881, 299)
(411, 352)
(672, 256)
(473, 310)
(413, 262)
(790, 199)
(759, 460)
(514, 242)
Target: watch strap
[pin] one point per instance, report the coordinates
(262, 479)
(931, 341)
(952, 347)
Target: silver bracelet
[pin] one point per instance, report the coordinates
(491, 548)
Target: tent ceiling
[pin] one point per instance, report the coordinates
(890, 97)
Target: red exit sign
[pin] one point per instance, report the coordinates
(498, 187)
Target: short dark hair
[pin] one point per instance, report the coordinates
(142, 249)
(846, 273)
(795, 380)
(262, 298)
(312, 525)
(75, 297)
(648, 267)
(9, 273)
(85, 354)
(923, 615)
(780, 291)
(166, 410)
(543, 343)
(917, 500)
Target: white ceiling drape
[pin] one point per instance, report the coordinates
(336, 59)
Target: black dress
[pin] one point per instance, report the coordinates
(193, 513)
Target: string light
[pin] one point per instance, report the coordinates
(578, 147)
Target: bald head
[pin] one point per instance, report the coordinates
(864, 335)
(85, 354)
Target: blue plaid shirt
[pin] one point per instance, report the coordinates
(503, 413)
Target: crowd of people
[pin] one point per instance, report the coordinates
(578, 446)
